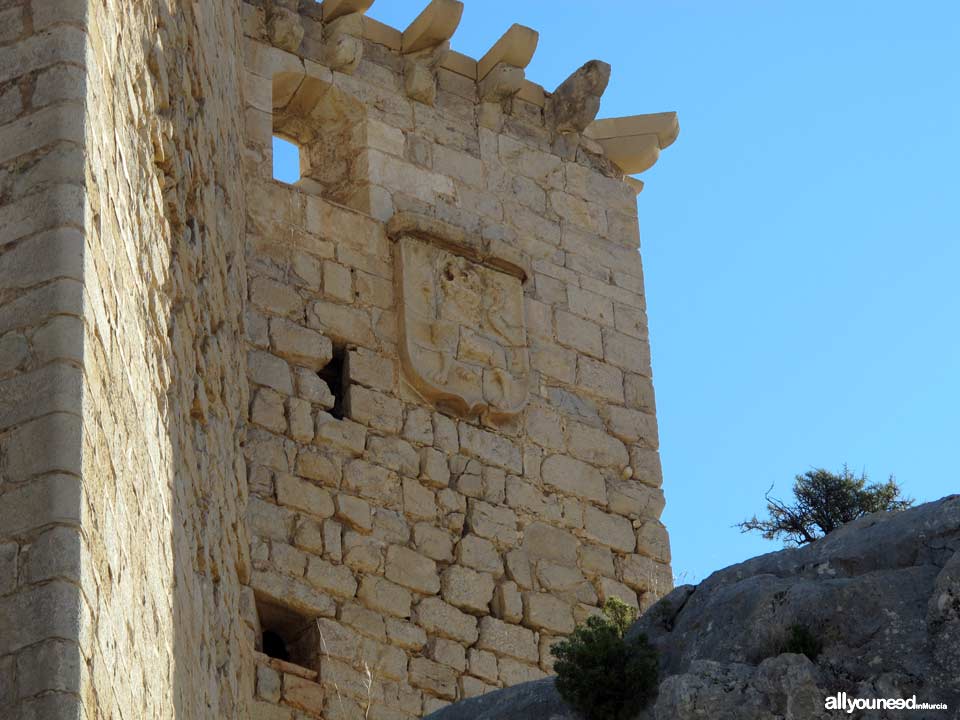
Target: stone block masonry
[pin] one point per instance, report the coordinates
(360, 446)
(479, 470)
(122, 375)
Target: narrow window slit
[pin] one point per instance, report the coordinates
(335, 376)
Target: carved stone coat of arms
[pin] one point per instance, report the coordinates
(463, 338)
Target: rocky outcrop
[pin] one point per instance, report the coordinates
(881, 594)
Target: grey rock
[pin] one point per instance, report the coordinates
(882, 594)
(538, 699)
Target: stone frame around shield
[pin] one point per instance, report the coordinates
(462, 328)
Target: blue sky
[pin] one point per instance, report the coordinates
(801, 240)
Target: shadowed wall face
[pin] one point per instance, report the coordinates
(164, 402)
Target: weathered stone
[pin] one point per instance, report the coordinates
(490, 449)
(518, 568)
(574, 104)
(269, 370)
(434, 469)
(439, 618)
(300, 420)
(433, 677)
(355, 512)
(372, 482)
(542, 611)
(394, 453)
(213, 324)
(653, 541)
(479, 554)
(449, 653)
(412, 570)
(374, 409)
(614, 531)
(405, 634)
(433, 542)
(544, 541)
(334, 579)
(608, 588)
(494, 523)
(508, 603)
(595, 446)
(574, 477)
(302, 495)
(345, 435)
(467, 589)
(370, 369)
(384, 596)
(418, 427)
(634, 499)
(604, 381)
(299, 344)
(267, 410)
(318, 466)
(419, 502)
(507, 640)
(483, 664)
(515, 673)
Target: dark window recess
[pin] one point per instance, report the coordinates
(287, 635)
(335, 376)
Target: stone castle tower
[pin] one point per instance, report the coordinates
(354, 447)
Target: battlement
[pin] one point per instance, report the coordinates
(331, 33)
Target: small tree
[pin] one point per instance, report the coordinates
(600, 674)
(824, 502)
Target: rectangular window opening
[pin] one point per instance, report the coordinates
(286, 161)
(287, 635)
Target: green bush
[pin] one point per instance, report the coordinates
(802, 641)
(600, 674)
(824, 502)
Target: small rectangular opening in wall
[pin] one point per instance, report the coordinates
(286, 161)
(335, 376)
(287, 635)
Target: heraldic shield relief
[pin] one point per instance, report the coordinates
(463, 333)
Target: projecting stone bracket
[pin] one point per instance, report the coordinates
(342, 42)
(634, 143)
(500, 73)
(425, 43)
(284, 26)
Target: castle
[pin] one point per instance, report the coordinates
(353, 447)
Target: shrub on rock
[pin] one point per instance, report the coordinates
(600, 674)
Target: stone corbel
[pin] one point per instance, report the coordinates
(500, 73)
(575, 103)
(284, 26)
(333, 9)
(424, 44)
(634, 143)
(343, 33)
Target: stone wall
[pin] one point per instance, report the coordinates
(427, 363)
(122, 487)
(427, 517)
(164, 403)
(43, 612)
